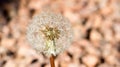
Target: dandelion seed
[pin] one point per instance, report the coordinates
(49, 33)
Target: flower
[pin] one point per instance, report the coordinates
(49, 33)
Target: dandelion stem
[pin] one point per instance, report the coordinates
(52, 61)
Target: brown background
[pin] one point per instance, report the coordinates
(96, 27)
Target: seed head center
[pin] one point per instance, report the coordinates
(51, 33)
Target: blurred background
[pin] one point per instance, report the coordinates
(96, 27)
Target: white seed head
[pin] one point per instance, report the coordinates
(49, 33)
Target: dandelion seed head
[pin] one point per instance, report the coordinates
(48, 28)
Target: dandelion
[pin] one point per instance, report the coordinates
(49, 33)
